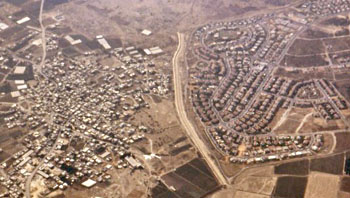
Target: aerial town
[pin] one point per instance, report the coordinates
(254, 104)
(236, 93)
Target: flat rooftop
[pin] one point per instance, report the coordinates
(19, 70)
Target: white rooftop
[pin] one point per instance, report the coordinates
(146, 32)
(15, 94)
(156, 50)
(37, 42)
(104, 43)
(147, 51)
(3, 26)
(19, 82)
(23, 20)
(88, 183)
(72, 41)
(19, 70)
(20, 87)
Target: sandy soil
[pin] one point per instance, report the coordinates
(322, 185)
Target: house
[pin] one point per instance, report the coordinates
(133, 162)
(146, 32)
(88, 183)
(19, 70)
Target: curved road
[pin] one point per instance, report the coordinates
(180, 108)
(43, 41)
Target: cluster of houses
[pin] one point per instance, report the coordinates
(325, 8)
(251, 149)
(77, 123)
(84, 109)
(233, 86)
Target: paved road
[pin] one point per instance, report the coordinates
(43, 39)
(335, 107)
(180, 108)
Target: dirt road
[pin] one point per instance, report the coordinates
(43, 38)
(180, 108)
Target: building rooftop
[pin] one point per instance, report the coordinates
(19, 70)
(3, 26)
(156, 50)
(88, 183)
(146, 32)
(15, 94)
(23, 20)
(104, 43)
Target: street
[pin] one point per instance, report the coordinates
(180, 108)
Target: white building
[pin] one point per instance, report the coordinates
(3, 26)
(102, 41)
(146, 32)
(88, 183)
(72, 41)
(156, 50)
(19, 70)
(23, 20)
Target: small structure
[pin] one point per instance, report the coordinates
(37, 42)
(88, 183)
(146, 32)
(19, 70)
(23, 20)
(15, 94)
(21, 87)
(19, 82)
(72, 41)
(133, 162)
(44, 175)
(130, 48)
(24, 161)
(3, 26)
(147, 51)
(156, 50)
(102, 41)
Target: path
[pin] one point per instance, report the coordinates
(180, 108)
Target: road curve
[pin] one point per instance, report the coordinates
(43, 42)
(180, 108)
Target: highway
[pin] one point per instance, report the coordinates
(180, 108)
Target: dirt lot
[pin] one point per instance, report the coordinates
(328, 143)
(337, 21)
(332, 165)
(345, 184)
(306, 47)
(191, 180)
(299, 120)
(299, 74)
(290, 121)
(169, 141)
(293, 168)
(291, 187)
(344, 88)
(318, 124)
(124, 184)
(337, 44)
(249, 195)
(120, 19)
(342, 142)
(305, 61)
(322, 185)
(315, 33)
(257, 185)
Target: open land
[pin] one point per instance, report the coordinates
(174, 99)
